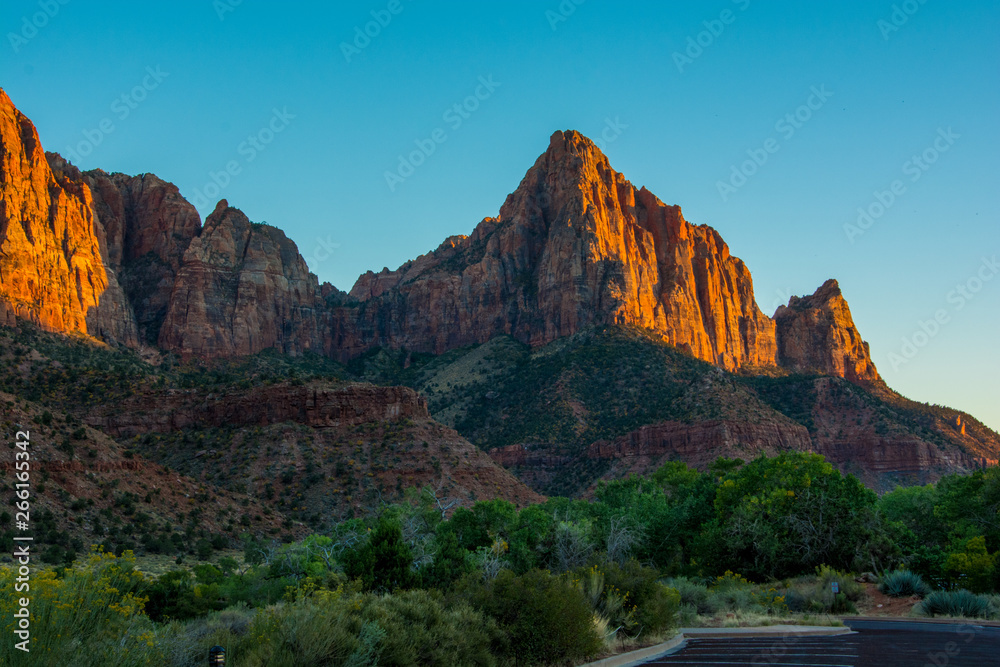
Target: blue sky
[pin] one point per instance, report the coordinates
(696, 89)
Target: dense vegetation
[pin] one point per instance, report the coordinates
(490, 584)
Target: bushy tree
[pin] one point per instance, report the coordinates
(384, 562)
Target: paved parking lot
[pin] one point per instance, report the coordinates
(839, 651)
(874, 643)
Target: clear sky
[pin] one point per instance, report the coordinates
(693, 90)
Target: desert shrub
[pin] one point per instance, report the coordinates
(815, 594)
(958, 603)
(656, 605)
(903, 583)
(732, 592)
(543, 618)
(420, 630)
(298, 634)
(89, 616)
(849, 588)
(692, 595)
(187, 644)
(330, 628)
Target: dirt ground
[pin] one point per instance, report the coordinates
(878, 604)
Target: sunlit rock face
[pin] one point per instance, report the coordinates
(576, 244)
(52, 248)
(125, 258)
(817, 333)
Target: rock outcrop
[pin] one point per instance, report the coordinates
(817, 334)
(701, 443)
(149, 226)
(576, 244)
(319, 405)
(52, 261)
(241, 288)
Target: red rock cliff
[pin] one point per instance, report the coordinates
(149, 226)
(817, 334)
(125, 258)
(242, 288)
(52, 248)
(576, 244)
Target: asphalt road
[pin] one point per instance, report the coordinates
(874, 643)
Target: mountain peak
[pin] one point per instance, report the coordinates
(817, 333)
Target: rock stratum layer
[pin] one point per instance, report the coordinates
(316, 405)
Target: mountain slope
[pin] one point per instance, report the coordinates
(523, 321)
(611, 400)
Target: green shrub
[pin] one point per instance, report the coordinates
(958, 603)
(656, 605)
(693, 595)
(384, 562)
(815, 594)
(903, 583)
(89, 616)
(419, 630)
(543, 618)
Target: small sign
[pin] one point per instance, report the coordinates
(836, 587)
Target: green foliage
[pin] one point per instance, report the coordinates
(973, 567)
(90, 616)
(694, 596)
(948, 532)
(655, 605)
(176, 595)
(787, 515)
(543, 618)
(420, 629)
(958, 603)
(384, 562)
(451, 562)
(902, 584)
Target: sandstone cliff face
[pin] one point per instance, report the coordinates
(817, 334)
(149, 226)
(575, 245)
(242, 288)
(52, 262)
